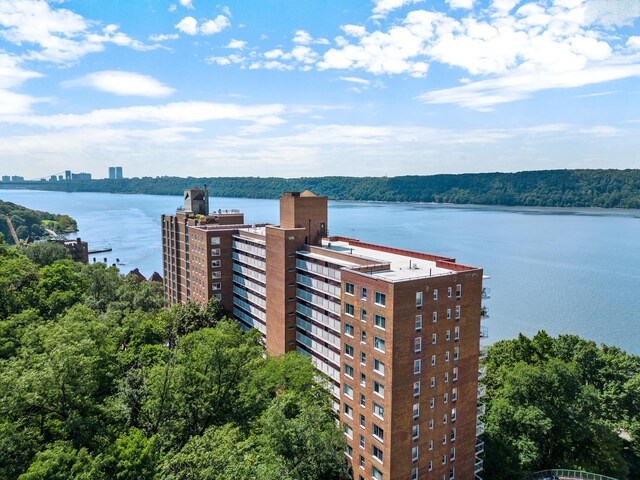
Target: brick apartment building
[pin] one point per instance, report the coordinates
(396, 332)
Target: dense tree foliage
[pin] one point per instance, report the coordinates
(548, 188)
(561, 402)
(32, 223)
(99, 381)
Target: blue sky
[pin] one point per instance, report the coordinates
(302, 88)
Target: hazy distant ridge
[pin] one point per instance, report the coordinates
(549, 188)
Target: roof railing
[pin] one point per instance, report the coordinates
(566, 474)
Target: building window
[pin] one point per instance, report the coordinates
(363, 400)
(418, 299)
(456, 333)
(361, 441)
(379, 344)
(379, 321)
(456, 354)
(430, 465)
(453, 414)
(433, 360)
(432, 402)
(349, 289)
(378, 366)
(416, 410)
(434, 338)
(363, 293)
(449, 292)
(458, 291)
(378, 410)
(448, 335)
(381, 299)
(378, 432)
(363, 358)
(348, 370)
(348, 309)
(446, 356)
(445, 419)
(363, 337)
(435, 317)
(378, 388)
(348, 431)
(377, 453)
(416, 388)
(414, 454)
(361, 462)
(452, 470)
(446, 377)
(444, 459)
(215, 252)
(435, 294)
(362, 421)
(444, 439)
(433, 382)
(418, 323)
(417, 344)
(348, 330)
(431, 445)
(348, 391)
(348, 350)
(215, 263)
(448, 314)
(363, 380)
(415, 432)
(414, 473)
(348, 410)
(454, 394)
(216, 286)
(349, 451)
(453, 434)
(417, 366)
(216, 274)
(363, 315)
(457, 312)
(215, 240)
(377, 474)
(446, 398)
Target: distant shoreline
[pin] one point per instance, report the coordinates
(597, 189)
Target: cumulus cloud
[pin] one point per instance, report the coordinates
(237, 44)
(57, 34)
(383, 7)
(304, 38)
(467, 4)
(188, 25)
(13, 75)
(122, 83)
(211, 27)
(186, 4)
(163, 37)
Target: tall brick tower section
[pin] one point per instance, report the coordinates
(303, 220)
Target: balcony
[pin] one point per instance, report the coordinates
(484, 312)
(479, 427)
(478, 467)
(480, 410)
(483, 353)
(486, 292)
(484, 332)
(482, 372)
(479, 446)
(482, 391)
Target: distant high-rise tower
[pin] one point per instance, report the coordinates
(112, 173)
(67, 174)
(119, 173)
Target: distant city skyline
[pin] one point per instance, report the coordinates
(341, 87)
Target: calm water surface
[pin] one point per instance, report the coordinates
(561, 270)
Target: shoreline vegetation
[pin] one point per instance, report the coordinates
(33, 224)
(544, 188)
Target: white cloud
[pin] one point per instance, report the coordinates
(122, 83)
(354, 30)
(383, 7)
(237, 44)
(211, 27)
(275, 53)
(358, 80)
(467, 4)
(178, 113)
(163, 37)
(186, 4)
(188, 25)
(13, 75)
(304, 38)
(633, 42)
(612, 12)
(56, 34)
(485, 94)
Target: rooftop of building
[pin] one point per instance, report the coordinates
(391, 264)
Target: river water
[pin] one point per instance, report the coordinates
(561, 270)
